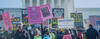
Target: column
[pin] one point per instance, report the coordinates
(45, 2)
(23, 4)
(52, 4)
(38, 2)
(30, 2)
(59, 3)
(70, 6)
(66, 9)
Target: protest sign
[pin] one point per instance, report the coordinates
(15, 26)
(34, 15)
(58, 12)
(15, 22)
(46, 12)
(78, 19)
(66, 23)
(54, 23)
(7, 21)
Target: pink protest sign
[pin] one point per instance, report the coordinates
(7, 21)
(34, 15)
(67, 37)
(46, 12)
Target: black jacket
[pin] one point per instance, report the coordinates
(19, 35)
(91, 33)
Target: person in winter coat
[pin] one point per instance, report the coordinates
(19, 34)
(59, 34)
(67, 34)
(37, 36)
(53, 35)
(91, 33)
(99, 35)
(1, 33)
(46, 36)
(79, 35)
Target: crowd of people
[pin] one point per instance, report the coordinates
(37, 33)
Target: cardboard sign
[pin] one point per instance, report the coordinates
(46, 12)
(7, 21)
(78, 19)
(15, 26)
(15, 22)
(54, 23)
(34, 15)
(58, 12)
(66, 23)
(67, 37)
(16, 19)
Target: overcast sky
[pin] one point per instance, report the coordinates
(77, 3)
(87, 3)
(10, 4)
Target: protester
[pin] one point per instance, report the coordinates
(91, 33)
(79, 35)
(19, 34)
(37, 36)
(53, 35)
(59, 34)
(7, 35)
(1, 33)
(74, 35)
(31, 32)
(99, 35)
(13, 34)
(26, 34)
(46, 35)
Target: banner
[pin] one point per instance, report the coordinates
(7, 21)
(46, 12)
(15, 22)
(66, 23)
(25, 19)
(54, 23)
(78, 19)
(58, 12)
(34, 15)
